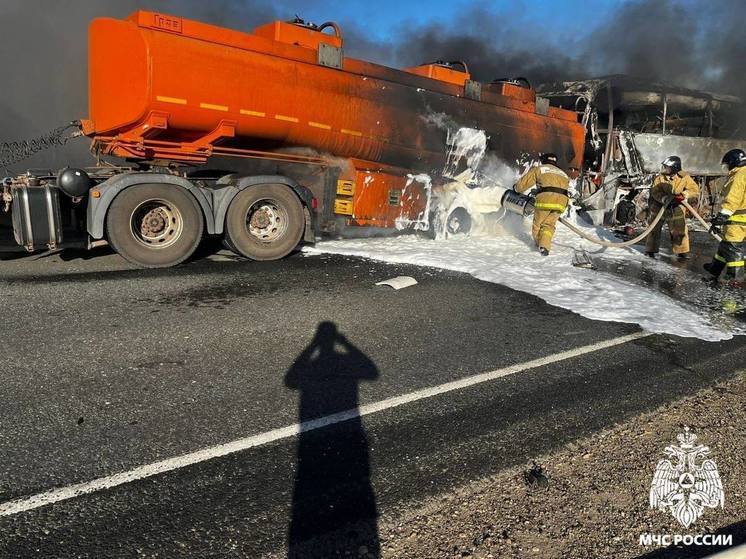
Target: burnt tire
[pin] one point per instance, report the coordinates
(265, 222)
(458, 222)
(154, 225)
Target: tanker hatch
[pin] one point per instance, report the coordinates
(301, 33)
(455, 72)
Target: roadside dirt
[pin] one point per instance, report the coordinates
(595, 503)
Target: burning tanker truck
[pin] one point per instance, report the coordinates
(266, 140)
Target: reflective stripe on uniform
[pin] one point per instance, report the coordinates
(737, 218)
(549, 206)
(734, 264)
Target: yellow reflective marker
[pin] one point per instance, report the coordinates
(213, 107)
(174, 100)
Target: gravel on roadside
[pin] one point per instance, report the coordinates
(596, 501)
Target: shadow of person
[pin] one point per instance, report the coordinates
(332, 491)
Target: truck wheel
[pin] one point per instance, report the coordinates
(154, 225)
(264, 222)
(458, 221)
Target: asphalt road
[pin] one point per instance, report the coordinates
(106, 369)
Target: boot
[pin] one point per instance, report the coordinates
(710, 268)
(650, 255)
(683, 257)
(543, 251)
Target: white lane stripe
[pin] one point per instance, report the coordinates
(63, 493)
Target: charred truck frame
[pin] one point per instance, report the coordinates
(632, 126)
(265, 139)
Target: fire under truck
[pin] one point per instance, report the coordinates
(265, 139)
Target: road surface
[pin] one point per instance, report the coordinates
(110, 370)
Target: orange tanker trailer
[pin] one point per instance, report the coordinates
(308, 140)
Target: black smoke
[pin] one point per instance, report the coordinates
(43, 58)
(690, 43)
(493, 45)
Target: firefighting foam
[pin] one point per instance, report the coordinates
(499, 249)
(507, 256)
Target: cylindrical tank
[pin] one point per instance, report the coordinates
(279, 92)
(74, 182)
(517, 203)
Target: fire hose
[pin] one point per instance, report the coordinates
(601, 242)
(702, 221)
(523, 205)
(642, 235)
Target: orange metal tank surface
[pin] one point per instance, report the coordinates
(169, 88)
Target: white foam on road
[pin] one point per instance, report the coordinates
(59, 494)
(510, 258)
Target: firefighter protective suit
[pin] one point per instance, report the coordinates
(551, 200)
(665, 187)
(729, 254)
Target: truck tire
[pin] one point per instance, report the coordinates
(154, 225)
(265, 222)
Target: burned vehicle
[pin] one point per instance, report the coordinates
(632, 126)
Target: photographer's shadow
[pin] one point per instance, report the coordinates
(332, 483)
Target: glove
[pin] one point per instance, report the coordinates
(715, 230)
(677, 200)
(719, 219)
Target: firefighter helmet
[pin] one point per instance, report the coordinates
(673, 162)
(734, 158)
(548, 158)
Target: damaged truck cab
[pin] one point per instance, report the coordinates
(632, 126)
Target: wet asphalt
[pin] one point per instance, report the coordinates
(106, 368)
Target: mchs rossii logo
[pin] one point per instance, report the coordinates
(687, 482)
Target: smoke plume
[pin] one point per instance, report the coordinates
(690, 43)
(43, 55)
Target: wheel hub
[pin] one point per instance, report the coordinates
(454, 225)
(267, 220)
(262, 218)
(156, 223)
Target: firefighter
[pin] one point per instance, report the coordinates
(551, 198)
(670, 188)
(732, 219)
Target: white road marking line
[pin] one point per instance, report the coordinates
(22, 504)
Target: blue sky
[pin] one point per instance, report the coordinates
(383, 17)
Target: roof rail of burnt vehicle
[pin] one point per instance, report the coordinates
(631, 95)
(592, 87)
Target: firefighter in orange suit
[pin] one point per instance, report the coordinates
(732, 219)
(670, 188)
(551, 199)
